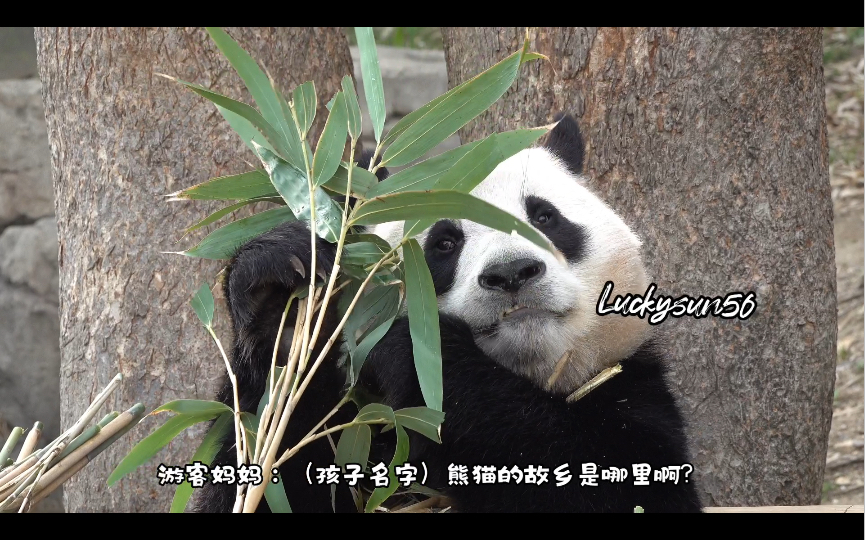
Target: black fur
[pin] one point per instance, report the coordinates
(261, 278)
(566, 142)
(443, 262)
(568, 237)
(495, 417)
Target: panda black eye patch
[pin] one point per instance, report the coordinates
(442, 252)
(568, 237)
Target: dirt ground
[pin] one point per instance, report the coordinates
(843, 66)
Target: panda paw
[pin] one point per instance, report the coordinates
(390, 371)
(274, 265)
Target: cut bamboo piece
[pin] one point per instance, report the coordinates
(30, 442)
(113, 428)
(11, 441)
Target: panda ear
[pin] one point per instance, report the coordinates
(566, 142)
(365, 156)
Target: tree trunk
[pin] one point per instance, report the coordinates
(712, 144)
(121, 138)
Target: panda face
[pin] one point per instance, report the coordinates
(529, 307)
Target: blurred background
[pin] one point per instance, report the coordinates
(413, 69)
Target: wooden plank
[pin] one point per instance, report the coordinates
(818, 509)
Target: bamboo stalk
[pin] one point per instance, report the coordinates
(30, 442)
(560, 366)
(98, 443)
(11, 441)
(598, 380)
(59, 481)
(90, 412)
(14, 471)
(22, 485)
(85, 436)
(120, 428)
(32, 465)
(290, 366)
(108, 418)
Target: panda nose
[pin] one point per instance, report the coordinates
(511, 276)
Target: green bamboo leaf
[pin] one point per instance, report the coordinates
(353, 446)
(354, 238)
(331, 144)
(224, 242)
(380, 495)
(265, 96)
(244, 129)
(373, 307)
(243, 186)
(363, 253)
(219, 214)
(361, 181)
(467, 172)
(292, 185)
(305, 103)
(426, 174)
(276, 498)
(453, 111)
(361, 351)
(409, 120)
(205, 453)
(372, 83)
(527, 57)
(424, 420)
(478, 163)
(202, 303)
(251, 115)
(352, 107)
(443, 205)
(421, 176)
(153, 443)
(195, 406)
(383, 277)
(471, 169)
(374, 412)
(423, 318)
(250, 423)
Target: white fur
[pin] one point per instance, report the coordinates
(533, 347)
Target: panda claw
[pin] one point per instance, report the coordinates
(297, 265)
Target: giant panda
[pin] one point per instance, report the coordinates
(509, 312)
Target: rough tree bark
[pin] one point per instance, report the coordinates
(120, 139)
(712, 144)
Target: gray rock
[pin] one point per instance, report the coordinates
(30, 326)
(26, 193)
(28, 257)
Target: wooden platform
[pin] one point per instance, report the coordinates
(818, 509)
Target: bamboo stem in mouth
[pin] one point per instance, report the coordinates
(598, 380)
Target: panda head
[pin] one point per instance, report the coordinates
(527, 307)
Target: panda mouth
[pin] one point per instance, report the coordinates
(521, 312)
